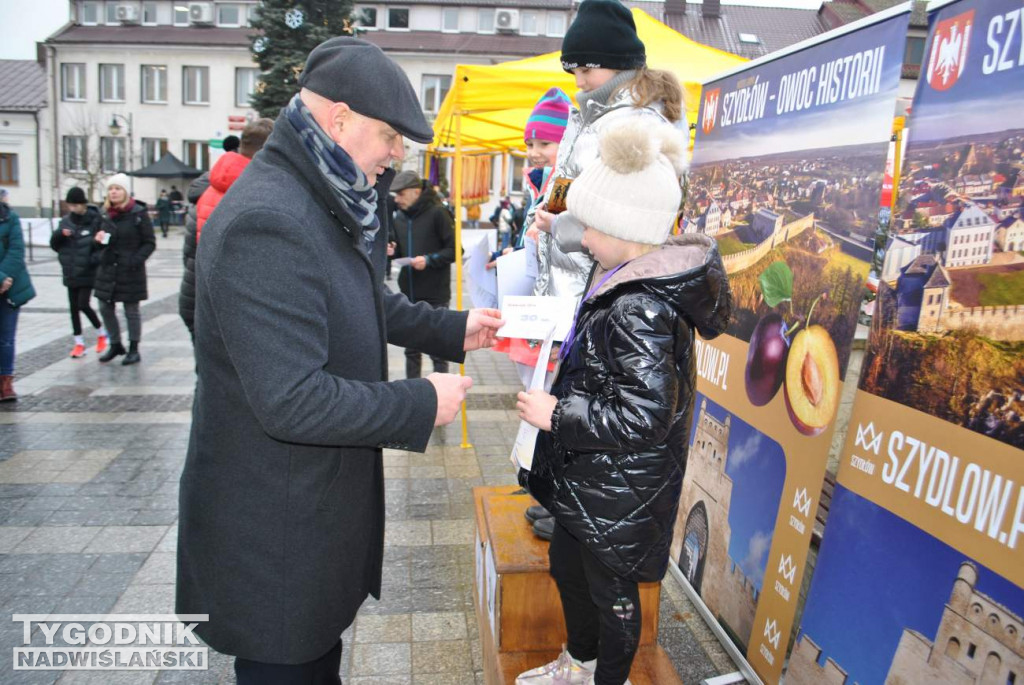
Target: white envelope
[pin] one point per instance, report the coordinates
(532, 317)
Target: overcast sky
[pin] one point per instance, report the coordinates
(28, 21)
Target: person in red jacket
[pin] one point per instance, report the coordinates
(224, 173)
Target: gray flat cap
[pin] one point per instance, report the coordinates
(358, 73)
(405, 179)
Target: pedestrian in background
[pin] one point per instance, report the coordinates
(15, 290)
(163, 211)
(74, 241)
(424, 232)
(204, 194)
(126, 241)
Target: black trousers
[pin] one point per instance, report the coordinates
(78, 298)
(602, 610)
(322, 671)
(414, 358)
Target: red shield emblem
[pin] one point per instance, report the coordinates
(948, 56)
(710, 113)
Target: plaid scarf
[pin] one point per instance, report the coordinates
(348, 181)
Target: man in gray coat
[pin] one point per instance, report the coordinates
(281, 533)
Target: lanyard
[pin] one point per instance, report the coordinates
(570, 338)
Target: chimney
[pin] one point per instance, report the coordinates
(675, 7)
(712, 8)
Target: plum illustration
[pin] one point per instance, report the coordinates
(766, 359)
(812, 380)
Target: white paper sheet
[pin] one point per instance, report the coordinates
(482, 282)
(512, 276)
(399, 262)
(471, 236)
(526, 438)
(531, 316)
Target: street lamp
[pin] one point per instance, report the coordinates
(115, 130)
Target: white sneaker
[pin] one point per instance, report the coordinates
(562, 671)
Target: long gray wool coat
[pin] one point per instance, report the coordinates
(281, 532)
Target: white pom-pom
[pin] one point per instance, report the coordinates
(673, 146)
(627, 148)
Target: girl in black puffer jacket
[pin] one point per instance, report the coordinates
(611, 454)
(75, 245)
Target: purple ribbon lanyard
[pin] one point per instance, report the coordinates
(570, 338)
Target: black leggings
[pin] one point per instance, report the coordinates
(602, 610)
(78, 298)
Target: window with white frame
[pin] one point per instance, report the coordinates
(366, 17)
(149, 15)
(528, 22)
(111, 13)
(556, 24)
(180, 14)
(229, 15)
(450, 19)
(195, 85)
(74, 153)
(154, 84)
(196, 154)
(485, 20)
(435, 87)
(8, 169)
(112, 157)
(72, 82)
(111, 83)
(398, 17)
(245, 85)
(152, 150)
(90, 13)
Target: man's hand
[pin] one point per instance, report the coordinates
(66, 232)
(419, 263)
(6, 284)
(391, 249)
(99, 236)
(451, 391)
(481, 328)
(542, 220)
(535, 407)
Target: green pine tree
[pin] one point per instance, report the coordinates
(281, 49)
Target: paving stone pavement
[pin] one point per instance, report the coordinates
(90, 458)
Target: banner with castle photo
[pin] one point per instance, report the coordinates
(787, 173)
(920, 578)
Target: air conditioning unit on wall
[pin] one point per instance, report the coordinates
(507, 21)
(200, 12)
(128, 14)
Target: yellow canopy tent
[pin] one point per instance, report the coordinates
(487, 106)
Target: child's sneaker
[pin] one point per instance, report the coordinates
(78, 351)
(101, 344)
(562, 671)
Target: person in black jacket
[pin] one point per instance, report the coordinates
(75, 245)
(611, 454)
(187, 293)
(422, 231)
(127, 240)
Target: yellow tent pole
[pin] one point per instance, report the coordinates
(457, 196)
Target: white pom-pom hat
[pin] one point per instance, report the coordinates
(632, 191)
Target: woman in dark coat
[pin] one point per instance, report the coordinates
(15, 290)
(127, 241)
(74, 241)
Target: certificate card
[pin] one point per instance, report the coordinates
(513, 278)
(482, 282)
(531, 317)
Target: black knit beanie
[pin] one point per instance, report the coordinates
(603, 36)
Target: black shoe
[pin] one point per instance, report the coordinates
(115, 350)
(544, 528)
(536, 512)
(133, 355)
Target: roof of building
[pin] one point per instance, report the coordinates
(496, 45)
(153, 35)
(774, 27)
(938, 279)
(22, 85)
(836, 13)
